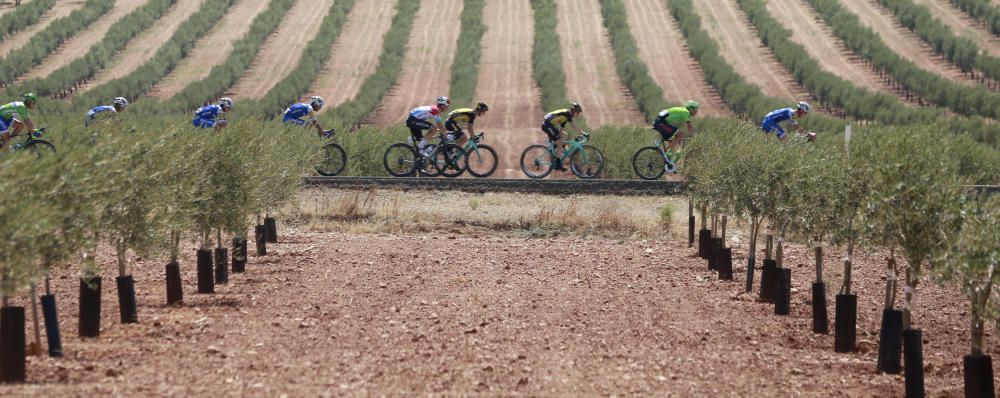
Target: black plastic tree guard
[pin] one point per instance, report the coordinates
(271, 232)
(821, 323)
(890, 342)
(90, 307)
(12, 342)
(239, 260)
(913, 361)
(259, 239)
(845, 332)
(221, 265)
(978, 371)
(126, 299)
(768, 281)
(206, 278)
(783, 301)
(725, 264)
(51, 317)
(175, 289)
(704, 236)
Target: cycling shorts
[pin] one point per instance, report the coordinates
(551, 131)
(5, 124)
(666, 131)
(417, 128)
(297, 122)
(772, 127)
(203, 123)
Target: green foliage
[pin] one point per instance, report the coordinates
(23, 16)
(465, 66)
(311, 63)
(227, 73)
(546, 56)
(166, 58)
(981, 10)
(366, 147)
(631, 69)
(48, 40)
(101, 53)
(390, 63)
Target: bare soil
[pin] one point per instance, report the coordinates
(355, 53)
(142, 47)
(78, 45)
(8, 5)
(281, 51)
(662, 48)
(465, 310)
(963, 25)
(211, 50)
(426, 70)
(20, 38)
(509, 143)
(591, 78)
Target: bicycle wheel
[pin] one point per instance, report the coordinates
(400, 160)
(425, 164)
(449, 160)
(334, 160)
(40, 148)
(587, 162)
(648, 163)
(536, 161)
(482, 161)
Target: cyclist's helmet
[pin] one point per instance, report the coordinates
(691, 105)
(30, 98)
(226, 102)
(575, 107)
(482, 107)
(804, 106)
(122, 102)
(443, 101)
(316, 102)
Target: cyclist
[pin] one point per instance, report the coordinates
(119, 105)
(420, 117)
(213, 116)
(771, 121)
(555, 134)
(669, 121)
(14, 118)
(294, 113)
(463, 115)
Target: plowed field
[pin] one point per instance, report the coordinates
(963, 25)
(355, 53)
(8, 5)
(18, 39)
(141, 48)
(212, 49)
(662, 49)
(742, 49)
(591, 79)
(77, 46)
(426, 70)
(282, 50)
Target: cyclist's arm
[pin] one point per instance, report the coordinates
(439, 125)
(29, 125)
(472, 128)
(315, 123)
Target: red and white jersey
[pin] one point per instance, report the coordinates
(426, 112)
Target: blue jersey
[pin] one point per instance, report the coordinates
(296, 112)
(771, 121)
(98, 109)
(206, 116)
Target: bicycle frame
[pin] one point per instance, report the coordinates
(574, 145)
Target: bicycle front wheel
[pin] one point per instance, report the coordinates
(536, 161)
(482, 161)
(400, 160)
(334, 160)
(648, 163)
(587, 163)
(40, 148)
(450, 160)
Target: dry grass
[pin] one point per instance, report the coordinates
(535, 215)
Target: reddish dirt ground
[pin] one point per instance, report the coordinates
(355, 53)
(963, 25)
(662, 48)
(141, 48)
(591, 79)
(8, 5)
(78, 45)
(281, 51)
(426, 70)
(474, 312)
(212, 49)
(18, 39)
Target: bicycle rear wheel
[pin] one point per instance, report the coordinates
(400, 160)
(482, 161)
(536, 161)
(587, 163)
(334, 160)
(40, 148)
(648, 163)
(449, 160)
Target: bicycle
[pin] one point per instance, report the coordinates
(481, 159)
(585, 161)
(35, 146)
(650, 162)
(334, 157)
(444, 158)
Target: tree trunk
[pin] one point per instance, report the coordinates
(725, 220)
(779, 252)
(846, 289)
(121, 250)
(977, 326)
(908, 294)
(704, 216)
(890, 282)
(768, 243)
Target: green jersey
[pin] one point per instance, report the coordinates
(676, 116)
(13, 110)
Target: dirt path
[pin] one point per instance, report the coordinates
(509, 143)
(78, 45)
(810, 32)
(355, 53)
(426, 70)
(281, 51)
(591, 78)
(662, 48)
(212, 49)
(8, 5)
(505, 81)
(20, 38)
(905, 43)
(741, 47)
(141, 48)
(963, 25)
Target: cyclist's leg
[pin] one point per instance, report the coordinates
(417, 128)
(554, 136)
(667, 133)
(4, 137)
(203, 123)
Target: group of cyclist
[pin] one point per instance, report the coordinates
(15, 119)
